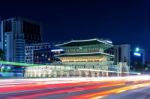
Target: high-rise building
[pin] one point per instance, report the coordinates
(30, 50)
(15, 33)
(122, 53)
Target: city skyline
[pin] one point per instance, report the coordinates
(74, 49)
(121, 21)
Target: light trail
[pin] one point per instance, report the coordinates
(109, 92)
(32, 96)
(35, 88)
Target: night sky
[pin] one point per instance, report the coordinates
(122, 21)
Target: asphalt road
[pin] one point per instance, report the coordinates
(75, 89)
(140, 93)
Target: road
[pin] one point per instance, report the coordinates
(136, 87)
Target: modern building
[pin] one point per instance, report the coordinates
(122, 53)
(134, 58)
(43, 56)
(15, 34)
(34, 53)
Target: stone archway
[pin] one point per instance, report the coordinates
(58, 73)
(77, 73)
(71, 73)
(90, 74)
(86, 73)
(97, 74)
(83, 74)
(65, 74)
(54, 73)
(100, 74)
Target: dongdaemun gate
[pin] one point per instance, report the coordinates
(89, 53)
(81, 58)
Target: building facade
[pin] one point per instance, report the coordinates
(15, 34)
(33, 52)
(43, 56)
(80, 58)
(85, 52)
(122, 53)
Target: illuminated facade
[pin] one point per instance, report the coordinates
(122, 53)
(81, 58)
(31, 48)
(84, 52)
(15, 34)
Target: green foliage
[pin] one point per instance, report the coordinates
(2, 53)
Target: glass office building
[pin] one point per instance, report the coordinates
(15, 33)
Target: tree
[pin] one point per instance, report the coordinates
(2, 53)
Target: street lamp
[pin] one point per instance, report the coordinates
(137, 49)
(137, 52)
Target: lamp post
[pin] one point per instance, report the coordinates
(137, 49)
(137, 58)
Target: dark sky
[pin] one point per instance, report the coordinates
(122, 21)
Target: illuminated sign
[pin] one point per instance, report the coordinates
(57, 50)
(137, 54)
